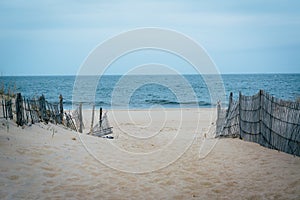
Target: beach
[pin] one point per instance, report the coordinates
(155, 154)
(169, 100)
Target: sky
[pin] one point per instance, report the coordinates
(54, 37)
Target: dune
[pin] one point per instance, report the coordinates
(155, 154)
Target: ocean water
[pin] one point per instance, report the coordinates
(145, 91)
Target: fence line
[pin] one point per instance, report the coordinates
(36, 110)
(31, 111)
(264, 119)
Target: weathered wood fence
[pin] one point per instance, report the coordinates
(102, 128)
(264, 119)
(31, 111)
(6, 110)
(77, 116)
(69, 121)
(37, 110)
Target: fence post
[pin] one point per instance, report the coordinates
(42, 107)
(80, 118)
(61, 108)
(26, 110)
(229, 103)
(218, 110)
(19, 109)
(30, 112)
(219, 124)
(260, 110)
(240, 109)
(271, 123)
(92, 122)
(100, 117)
(6, 109)
(3, 108)
(10, 113)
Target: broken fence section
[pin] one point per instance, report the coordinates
(102, 128)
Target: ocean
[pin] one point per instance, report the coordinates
(149, 92)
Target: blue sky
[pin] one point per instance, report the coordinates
(53, 37)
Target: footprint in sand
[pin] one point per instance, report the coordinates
(47, 183)
(21, 151)
(50, 175)
(35, 161)
(73, 179)
(13, 177)
(47, 168)
(206, 184)
(50, 172)
(189, 179)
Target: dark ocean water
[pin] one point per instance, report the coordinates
(150, 92)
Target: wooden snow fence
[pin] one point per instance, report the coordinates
(264, 119)
(37, 110)
(31, 111)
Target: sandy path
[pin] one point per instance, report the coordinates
(37, 164)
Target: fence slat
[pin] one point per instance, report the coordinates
(19, 110)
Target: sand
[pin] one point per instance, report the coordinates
(156, 154)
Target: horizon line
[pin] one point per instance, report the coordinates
(250, 73)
